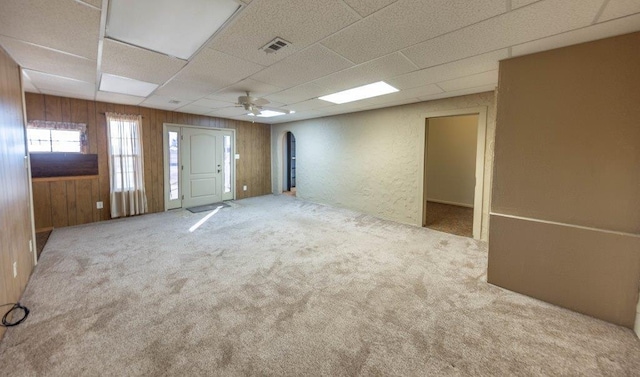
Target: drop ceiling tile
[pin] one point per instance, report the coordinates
(311, 104)
(195, 109)
(161, 102)
(520, 3)
(457, 93)
(187, 90)
(212, 103)
(406, 95)
(448, 71)
(407, 22)
(58, 24)
(133, 62)
(538, 20)
(124, 99)
(473, 81)
(299, 93)
(300, 22)
(367, 73)
(366, 7)
(43, 82)
(217, 69)
(619, 8)
(598, 31)
(315, 62)
(256, 88)
(42, 59)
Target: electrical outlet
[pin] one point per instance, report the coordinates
(30, 246)
(237, 156)
(99, 205)
(15, 269)
(244, 188)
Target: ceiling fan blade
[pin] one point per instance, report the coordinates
(260, 101)
(255, 110)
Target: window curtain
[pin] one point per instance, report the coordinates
(126, 166)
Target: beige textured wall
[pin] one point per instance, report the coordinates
(371, 161)
(568, 155)
(451, 159)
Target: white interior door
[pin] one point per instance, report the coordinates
(202, 160)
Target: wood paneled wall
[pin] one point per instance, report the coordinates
(253, 143)
(59, 202)
(15, 214)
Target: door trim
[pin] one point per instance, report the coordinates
(166, 157)
(478, 198)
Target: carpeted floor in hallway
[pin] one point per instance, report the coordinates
(279, 286)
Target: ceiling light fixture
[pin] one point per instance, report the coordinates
(269, 113)
(174, 28)
(124, 85)
(366, 91)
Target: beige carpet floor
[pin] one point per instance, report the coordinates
(279, 286)
(450, 219)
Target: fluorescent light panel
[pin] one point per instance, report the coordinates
(366, 91)
(175, 28)
(268, 113)
(124, 85)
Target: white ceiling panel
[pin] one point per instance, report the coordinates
(606, 29)
(366, 73)
(457, 93)
(186, 90)
(300, 22)
(137, 63)
(124, 99)
(406, 23)
(299, 93)
(520, 3)
(256, 88)
(619, 8)
(366, 7)
(42, 59)
(194, 109)
(63, 25)
(45, 81)
(310, 64)
(473, 81)
(407, 94)
(161, 102)
(311, 104)
(229, 111)
(212, 103)
(536, 21)
(448, 71)
(217, 69)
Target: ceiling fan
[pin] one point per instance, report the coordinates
(256, 105)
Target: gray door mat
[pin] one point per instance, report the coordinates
(207, 207)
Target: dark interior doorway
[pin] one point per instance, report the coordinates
(290, 168)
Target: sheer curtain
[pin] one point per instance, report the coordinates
(126, 169)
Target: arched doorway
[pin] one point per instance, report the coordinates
(289, 164)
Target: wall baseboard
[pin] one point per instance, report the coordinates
(450, 203)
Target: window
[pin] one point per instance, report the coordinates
(43, 136)
(126, 168)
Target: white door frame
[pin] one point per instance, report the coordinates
(481, 111)
(166, 157)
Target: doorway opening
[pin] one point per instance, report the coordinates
(453, 171)
(289, 164)
(199, 168)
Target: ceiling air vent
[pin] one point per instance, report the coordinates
(174, 102)
(275, 46)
